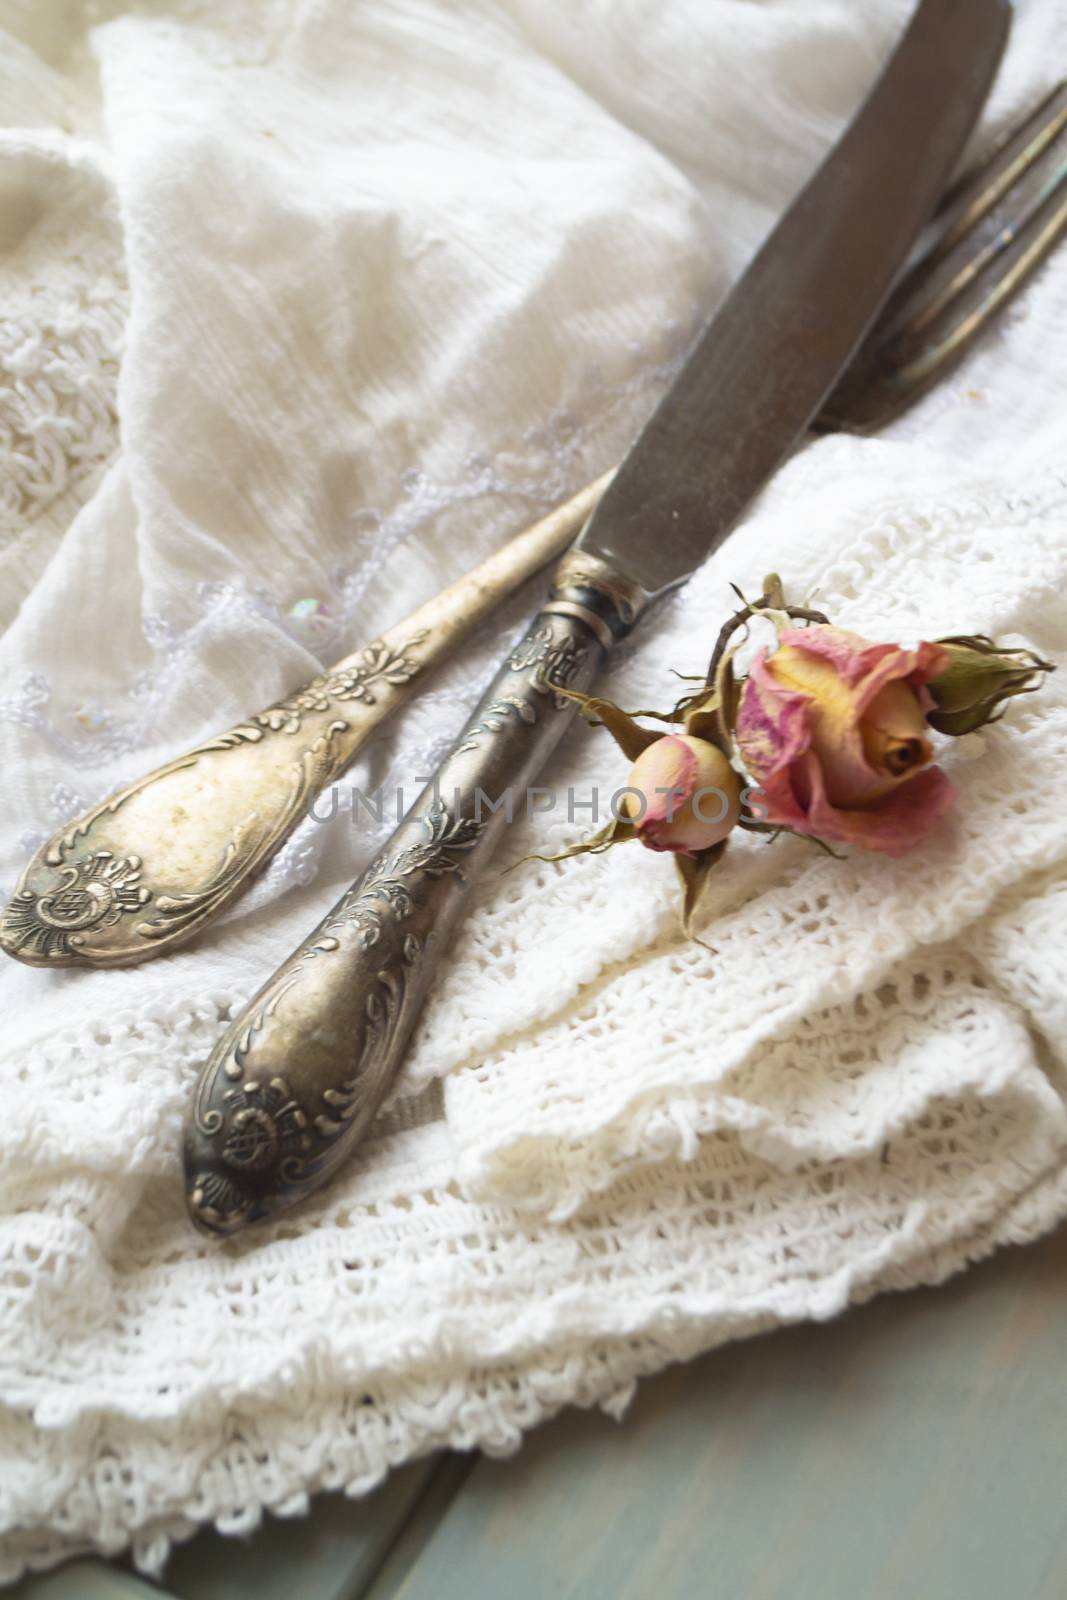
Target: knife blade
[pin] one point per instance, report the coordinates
(300, 1074)
(769, 356)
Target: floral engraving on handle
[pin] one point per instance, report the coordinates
(265, 1139)
(495, 719)
(378, 664)
(381, 1013)
(386, 889)
(265, 1125)
(550, 662)
(92, 894)
(555, 660)
(89, 893)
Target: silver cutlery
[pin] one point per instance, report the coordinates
(300, 1075)
(154, 864)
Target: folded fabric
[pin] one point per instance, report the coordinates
(302, 308)
(801, 1028)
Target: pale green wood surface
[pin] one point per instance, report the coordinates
(83, 1580)
(914, 1449)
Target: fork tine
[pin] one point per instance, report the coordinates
(975, 219)
(973, 195)
(996, 274)
(993, 229)
(984, 216)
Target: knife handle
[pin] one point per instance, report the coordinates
(301, 1073)
(156, 863)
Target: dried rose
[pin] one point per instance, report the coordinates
(979, 677)
(682, 795)
(833, 729)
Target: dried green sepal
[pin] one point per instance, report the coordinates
(773, 830)
(617, 831)
(703, 722)
(693, 872)
(710, 712)
(980, 677)
(629, 735)
(727, 694)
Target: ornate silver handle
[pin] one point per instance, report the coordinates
(301, 1073)
(155, 863)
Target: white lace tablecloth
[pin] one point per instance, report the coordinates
(314, 303)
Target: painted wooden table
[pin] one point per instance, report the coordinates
(914, 1449)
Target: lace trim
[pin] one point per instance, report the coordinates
(881, 582)
(823, 1085)
(739, 1245)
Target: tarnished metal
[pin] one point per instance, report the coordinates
(300, 1074)
(155, 864)
(994, 229)
(326, 1035)
(782, 338)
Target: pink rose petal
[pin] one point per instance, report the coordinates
(801, 735)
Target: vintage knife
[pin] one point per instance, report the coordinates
(300, 1075)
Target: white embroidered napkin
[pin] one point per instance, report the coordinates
(387, 280)
(817, 1026)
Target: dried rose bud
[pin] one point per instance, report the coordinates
(833, 729)
(691, 795)
(979, 678)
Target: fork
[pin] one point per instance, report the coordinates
(157, 862)
(993, 228)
